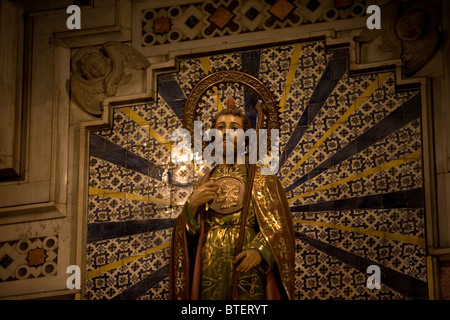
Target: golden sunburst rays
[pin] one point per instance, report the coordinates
(381, 78)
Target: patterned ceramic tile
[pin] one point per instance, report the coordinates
(351, 167)
(112, 283)
(321, 276)
(164, 25)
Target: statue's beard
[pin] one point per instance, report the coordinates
(229, 148)
(230, 151)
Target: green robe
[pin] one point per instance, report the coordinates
(218, 248)
(270, 226)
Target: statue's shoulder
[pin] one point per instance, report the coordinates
(265, 178)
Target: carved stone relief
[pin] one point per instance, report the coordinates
(98, 72)
(409, 30)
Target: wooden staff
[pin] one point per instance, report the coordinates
(247, 199)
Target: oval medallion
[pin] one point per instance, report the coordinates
(230, 196)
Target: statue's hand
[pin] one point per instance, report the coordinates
(251, 258)
(203, 194)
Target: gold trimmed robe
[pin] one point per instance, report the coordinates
(202, 247)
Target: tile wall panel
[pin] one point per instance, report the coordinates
(350, 164)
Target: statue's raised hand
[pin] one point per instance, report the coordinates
(206, 192)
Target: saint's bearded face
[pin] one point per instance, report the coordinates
(229, 122)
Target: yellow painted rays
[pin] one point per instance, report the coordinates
(358, 102)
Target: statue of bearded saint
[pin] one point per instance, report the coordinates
(204, 263)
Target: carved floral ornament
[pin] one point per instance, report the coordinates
(98, 72)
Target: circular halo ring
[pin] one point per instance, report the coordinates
(271, 109)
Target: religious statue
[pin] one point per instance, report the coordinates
(234, 238)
